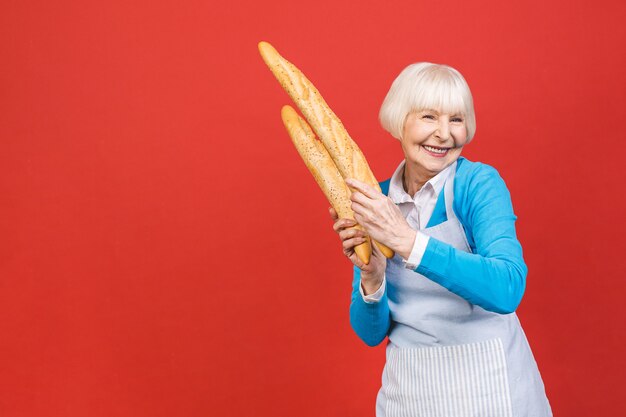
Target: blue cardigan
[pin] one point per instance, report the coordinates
(493, 276)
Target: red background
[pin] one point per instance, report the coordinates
(164, 252)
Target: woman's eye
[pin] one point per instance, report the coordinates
(428, 116)
(457, 119)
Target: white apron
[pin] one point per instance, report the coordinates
(449, 358)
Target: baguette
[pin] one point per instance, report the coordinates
(324, 170)
(347, 156)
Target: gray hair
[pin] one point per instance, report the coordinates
(423, 86)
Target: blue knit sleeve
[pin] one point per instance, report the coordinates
(370, 321)
(494, 276)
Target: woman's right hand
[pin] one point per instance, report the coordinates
(371, 274)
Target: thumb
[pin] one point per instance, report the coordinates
(376, 250)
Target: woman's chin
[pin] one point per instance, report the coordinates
(431, 164)
(436, 165)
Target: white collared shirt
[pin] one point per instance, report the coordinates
(417, 210)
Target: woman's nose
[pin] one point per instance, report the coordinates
(443, 130)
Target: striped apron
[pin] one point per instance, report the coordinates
(449, 358)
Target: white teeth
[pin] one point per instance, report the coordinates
(435, 150)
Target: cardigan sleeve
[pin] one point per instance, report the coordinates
(494, 277)
(370, 321)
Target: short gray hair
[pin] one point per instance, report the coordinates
(424, 86)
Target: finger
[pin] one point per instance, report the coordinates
(357, 261)
(366, 189)
(333, 213)
(343, 224)
(359, 218)
(361, 198)
(351, 233)
(376, 250)
(359, 209)
(349, 244)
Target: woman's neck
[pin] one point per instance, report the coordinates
(414, 178)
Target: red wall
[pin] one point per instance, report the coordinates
(164, 252)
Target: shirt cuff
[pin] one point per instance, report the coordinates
(419, 247)
(375, 297)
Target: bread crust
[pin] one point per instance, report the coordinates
(347, 156)
(345, 153)
(319, 162)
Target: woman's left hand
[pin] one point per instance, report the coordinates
(381, 218)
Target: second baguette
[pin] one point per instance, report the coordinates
(324, 170)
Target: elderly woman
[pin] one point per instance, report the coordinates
(446, 300)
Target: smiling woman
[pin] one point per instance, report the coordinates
(431, 142)
(447, 299)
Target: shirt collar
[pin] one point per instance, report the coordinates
(396, 188)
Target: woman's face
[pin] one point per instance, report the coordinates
(433, 140)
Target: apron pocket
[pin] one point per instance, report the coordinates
(459, 381)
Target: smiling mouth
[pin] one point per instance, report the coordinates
(437, 151)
